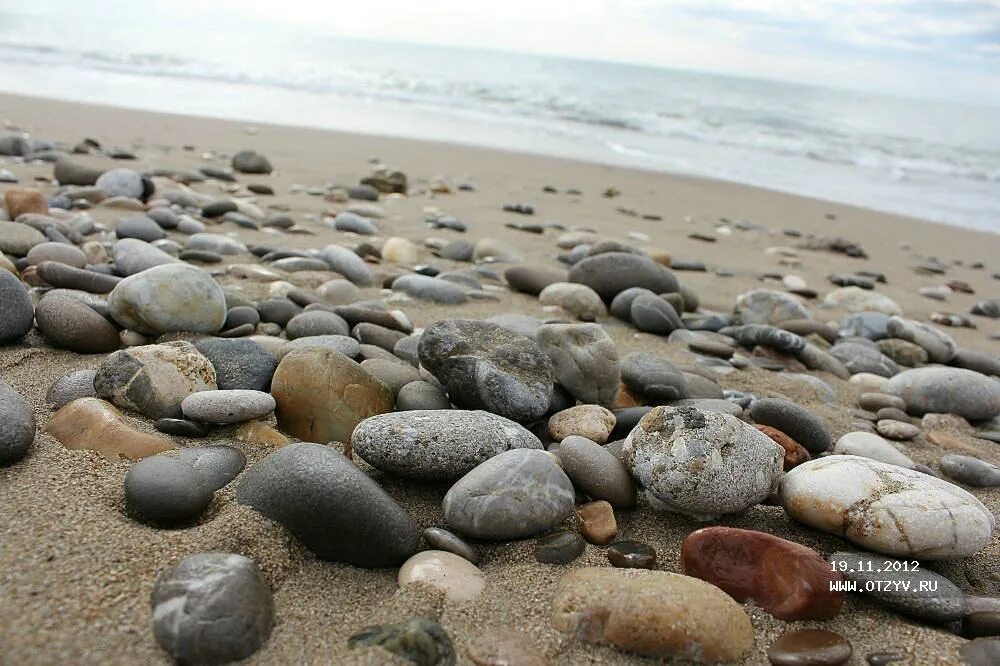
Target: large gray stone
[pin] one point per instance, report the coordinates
(348, 264)
(175, 297)
(16, 313)
(653, 378)
(610, 273)
(584, 360)
(947, 390)
(17, 424)
(766, 306)
(940, 346)
(794, 420)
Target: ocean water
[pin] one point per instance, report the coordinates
(934, 160)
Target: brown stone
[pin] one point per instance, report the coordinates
(953, 442)
(322, 395)
(504, 647)
(89, 423)
(20, 200)
(597, 522)
(815, 647)
(631, 555)
(591, 421)
(624, 398)
(788, 361)
(786, 579)
(652, 613)
(258, 432)
(795, 453)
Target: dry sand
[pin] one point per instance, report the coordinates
(76, 572)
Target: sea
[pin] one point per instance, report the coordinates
(932, 159)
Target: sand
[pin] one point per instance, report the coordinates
(76, 572)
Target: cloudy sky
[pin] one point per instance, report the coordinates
(937, 48)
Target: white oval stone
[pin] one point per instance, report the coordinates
(870, 445)
(887, 509)
(227, 406)
(459, 579)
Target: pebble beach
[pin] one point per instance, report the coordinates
(286, 395)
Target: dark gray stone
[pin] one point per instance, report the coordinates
(17, 424)
(794, 420)
(610, 273)
(163, 489)
(653, 378)
(15, 308)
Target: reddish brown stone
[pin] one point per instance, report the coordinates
(786, 579)
(795, 453)
(597, 522)
(624, 398)
(20, 200)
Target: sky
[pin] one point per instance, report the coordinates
(946, 49)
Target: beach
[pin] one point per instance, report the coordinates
(76, 572)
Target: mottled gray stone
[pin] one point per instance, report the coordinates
(584, 360)
(174, 297)
(597, 472)
(947, 390)
(970, 471)
(227, 406)
(653, 378)
(940, 346)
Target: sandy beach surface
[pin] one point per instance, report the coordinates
(76, 572)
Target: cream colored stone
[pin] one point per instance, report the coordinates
(460, 580)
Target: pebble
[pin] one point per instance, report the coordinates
(871, 325)
(816, 647)
(794, 420)
(769, 307)
(391, 371)
(341, 344)
(62, 253)
(166, 490)
(71, 386)
(590, 421)
(947, 390)
(322, 395)
(940, 347)
(139, 227)
(977, 361)
(17, 424)
(515, 494)
(316, 322)
(503, 647)
(653, 314)
(631, 555)
(915, 591)
(559, 548)
(484, 366)
(250, 161)
(212, 608)
(893, 510)
(897, 430)
(794, 453)
(786, 579)
(348, 264)
(610, 273)
(436, 445)
(695, 463)
(584, 360)
(531, 280)
(903, 352)
(17, 239)
(227, 406)
(216, 243)
(597, 472)
(441, 539)
(970, 471)
(415, 641)
(133, 256)
(173, 297)
(122, 183)
(578, 300)
(870, 445)
(62, 275)
(338, 292)
(431, 289)
(238, 364)
(460, 580)
(154, 379)
(876, 401)
(401, 251)
(653, 378)
(856, 299)
(217, 465)
(751, 335)
(597, 522)
(362, 524)
(421, 395)
(70, 324)
(652, 613)
(860, 358)
(90, 423)
(15, 306)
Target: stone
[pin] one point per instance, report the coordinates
(977, 361)
(416, 641)
(322, 395)
(348, 221)
(970, 471)
(887, 509)
(503, 648)
(441, 539)
(597, 522)
(794, 453)
(856, 299)
(401, 251)
(494, 250)
(278, 311)
(330, 505)
(68, 172)
(390, 371)
(431, 289)
(860, 358)
(597, 472)
(258, 432)
(483, 366)
(238, 364)
(702, 464)
(591, 421)
(316, 322)
(653, 378)
(897, 430)
(21, 200)
(122, 183)
(584, 360)
(164, 490)
(139, 227)
(559, 548)
(621, 304)
(515, 494)
(981, 652)
(227, 406)
(794, 420)
(70, 387)
(173, 297)
(769, 307)
(15, 308)
(787, 580)
(653, 314)
(751, 335)
(421, 395)
(217, 243)
(903, 352)
(652, 613)
(180, 427)
(610, 273)
(90, 423)
(154, 379)
(532, 280)
(578, 300)
(876, 401)
(348, 264)
(460, 580)
(17, 239)
(817, 647)
(17, 424)
(871, 325)
(947, 390)
(631, 555)
(134, 256)
(940, 346)
(212, 608)
(338, 292)
(436, 445)
(870, 445)
(69, 323)
(217, 465)
(914, 590)
(341, 344)
(250, 161)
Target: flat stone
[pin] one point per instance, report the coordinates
(610, 273)
(597, 472)
(217, 465)
(17, 424)
(441, 539)
(70, 324)
(940, 346)
(460, 580)
(947, 390)
(769, 307)
(89, 423)
(810, 646)
(590, 421)
(227, 406)
(531, 280)
(415, 641)
(559, 548)
(897, 430)
(799, 423)
(68, 277)
(69, 255)
(584, 360)
(140, 227)
(133, 256)
(17, 239)
(856, 299)
(631, 555)
(870, 445)
(348, 264)
(970, 471)
(15, 306)
(653, 378)
(794, 453)
(238, 364)
(431, 289)
(173, 297)
(166, 490)
(71, 386)
(597, 522)
(578, 300)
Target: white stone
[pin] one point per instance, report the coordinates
(856, 299)
(460, 580)
(870, 445)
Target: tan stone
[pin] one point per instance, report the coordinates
(322, 395)
(258, 432)
(652, 613)
(597, 522)
(504, 647)
(624, 398)
(969, 445)
(591, 421)
(20, 200)
(459, 579)
(400, 251)
(89, 423)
